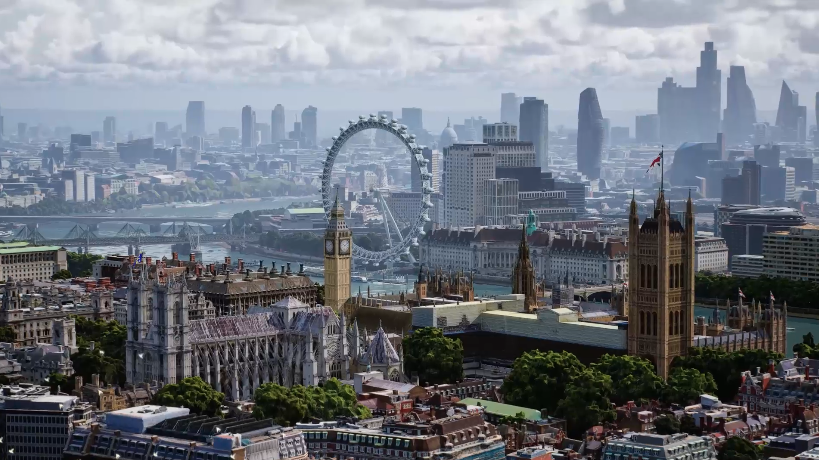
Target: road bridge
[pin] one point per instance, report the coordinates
(93, 221)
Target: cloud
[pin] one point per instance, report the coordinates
(422, 43)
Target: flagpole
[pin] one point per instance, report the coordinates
(662, 168)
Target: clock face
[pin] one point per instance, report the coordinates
(345, 246)
(328, 246)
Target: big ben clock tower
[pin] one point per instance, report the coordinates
(338, 248)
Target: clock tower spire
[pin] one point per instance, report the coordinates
(338, 249)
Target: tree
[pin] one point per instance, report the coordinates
(320, 294)
(539, 380)
(686, 385)
(633, 378)
(737, 448)
(586, 402)
(667, 424)
(725, 367)
(807, 348)
(59, 383)
(62, 275)
(7, 334)
(193, 393)
(288, 406)
(433, 357)
(689, 425)
(78, 263)
(87, 363)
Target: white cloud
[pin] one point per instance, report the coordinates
(422, 43)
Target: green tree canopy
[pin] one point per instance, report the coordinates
(79, 263)
(667, 424)
(288, 406)
(7, 334)
(192, 393)
(807, 348)
(686, 385)
(538, 380)
(433, 357)
(738, 448)
(804, 294)
(725, 367)
(586, 402)
(62, 275)
(633, 378)
(59, 382)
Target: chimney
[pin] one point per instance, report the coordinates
(288, 272)
(78, 382)
(147, 261)
(247, 273)
(241, 265)
(95, 380)
(227, 260)
(174, 256)
(758, 370)
(131, 259)
(193, 257)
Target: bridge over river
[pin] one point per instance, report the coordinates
(93, 221)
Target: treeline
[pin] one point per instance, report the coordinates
(800, 294)
(106, 359)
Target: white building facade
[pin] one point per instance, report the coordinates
(467, 166)
(712, 255)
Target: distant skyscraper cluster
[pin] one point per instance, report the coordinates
(248, 128)
(791, 118)
(195, 119)
(278, 132)
(590, 134)
(740, 113)
(534, 128)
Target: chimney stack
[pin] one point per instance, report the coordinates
(192, 257)
(95, 380)
(147, 261)
(241, 265)
(174, 256)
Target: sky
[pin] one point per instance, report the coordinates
(371, 54)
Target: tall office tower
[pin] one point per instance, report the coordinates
(677, 108)
(22, 132)
(161, 132)
(767, 155)
(500, 199)
(510, 108)
(740, 113)
(466, 168)
(413, 117)
(195, 119)
(109, 130)
(434, 163)
(248, 128)
(263, 130)
(309, 126)
(661, 264)
(778, 183)
(745, 188)
(709, 87)
(382, 139)
(606, 132)
(789, 113)
(534, 127)
(815, 135)
(500, 132)
(589, 134)
(647, 129)
(277, 129)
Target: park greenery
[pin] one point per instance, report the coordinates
(800, 294)
(62, 275)
(739, 448)
(193, 393)
(108, 356)
(7, 334)
(433, 357)
(202, 190)
(81, 264)
(561, 384)
(288, 406)
(807, 348)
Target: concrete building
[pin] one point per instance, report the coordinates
(109, 130)
(248, 127)
(195, 119)
(590, 135)
(37, 425)
(778, 184)
(740, 113)
(510, 108)
(744, 232)
(691, 160)
(413, 117)
(309, 127)
(745, 188)
(709, 89)
(278, 132)
(712, 255)
(805, 168)
(747, 266)
(647, 129)
(665, 447)
(467, 167)
(500, 199)
(534, 128)
(792, 253)
(39, 263)
(500, 132)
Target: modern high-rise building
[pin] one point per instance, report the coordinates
(677, 109)
(500, 132)
(161, 132)
(309, 127)
(778, 183)
(510, 151)
(745, 188)
(22, 132)
(534, 128)
(500, 199)
(815, 134)
(510, 108)
(248, 128)
(263, 132)
(589, 134)
(792, 254)
(413, 117)
(767, 155)
(661, 263)
(740, 113)
(709, 89)
(466, 168)
(109, 130)
(789, 114)
(195, 119)
(647, 129)
(277, 130)
(434, 163)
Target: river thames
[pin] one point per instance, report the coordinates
(217, 252)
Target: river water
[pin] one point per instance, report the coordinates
(217, 252)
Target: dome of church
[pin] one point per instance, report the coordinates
(448, 136)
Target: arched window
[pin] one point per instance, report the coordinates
(671, 276)
(642, 322)
(671, 323)
(677, 323)
(642, 275)
(655, 279)
(654, 323)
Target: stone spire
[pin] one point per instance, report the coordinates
(523, 275)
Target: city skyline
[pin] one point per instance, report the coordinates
(297, 54)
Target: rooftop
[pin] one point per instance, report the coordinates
(27, 249)
(502, 409)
